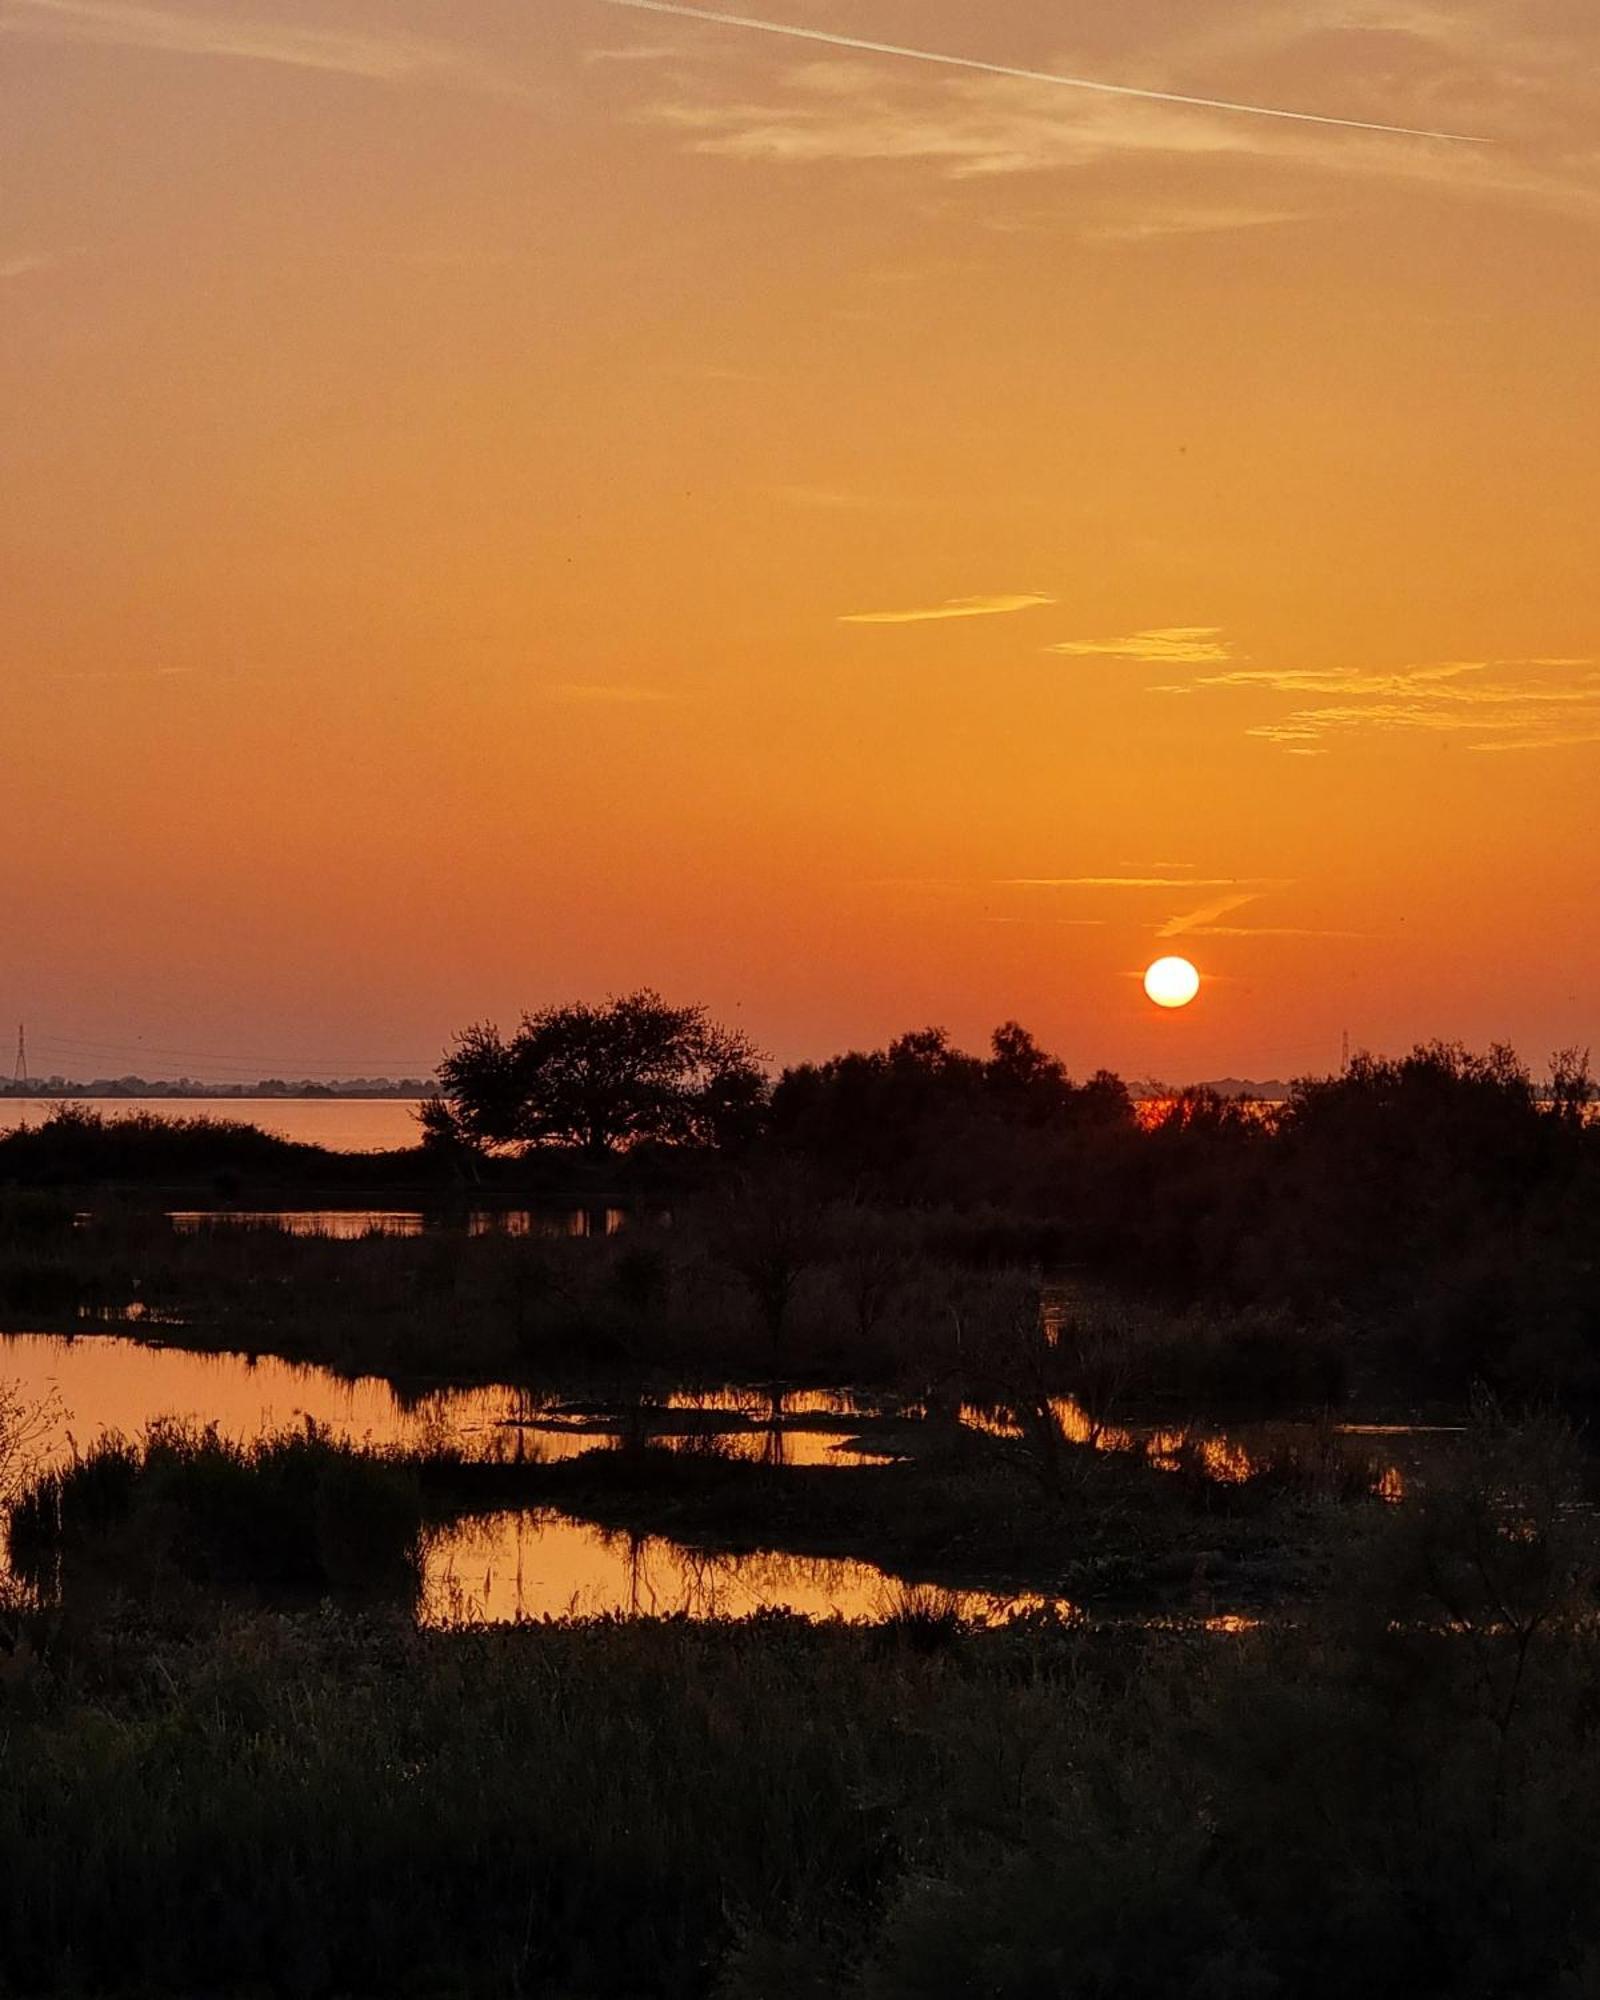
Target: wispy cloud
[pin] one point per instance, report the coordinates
(1269, 931)
(392, 56)
(22, 262)
(1049, 78)
(1200, 917)
(1203, 922)
(1118, 882)
(1196, 920)
(856, 100)
(638, 52)
(1177, 220)
(1166, 645)
(952, 607)
(1339, 680)
(1533, 704)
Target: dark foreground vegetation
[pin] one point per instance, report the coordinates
(1395, 1793)
(1312, 1730)
(290, 1520)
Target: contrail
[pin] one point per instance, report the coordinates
(1036, 75)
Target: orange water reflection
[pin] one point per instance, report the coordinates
(537, 1564)
(107, 1383)
(351, 1224)
(1230, 1458)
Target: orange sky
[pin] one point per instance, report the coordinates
(450, 450)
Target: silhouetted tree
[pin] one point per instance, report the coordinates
(630, 1071)
(925, 1120)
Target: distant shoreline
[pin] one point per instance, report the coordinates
(413, 1089)
(407, 1090)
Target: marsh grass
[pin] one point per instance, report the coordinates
(290, 1518)
(1396, 1791)
(315, 1805)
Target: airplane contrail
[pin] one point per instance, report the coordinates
(1035, 75)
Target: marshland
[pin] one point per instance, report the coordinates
(935, 1526)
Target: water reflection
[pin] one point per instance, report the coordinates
(350, 1224)
(108, 1382)
(536, 1564)
(105, 1382)
(533, 1563)
(1233, 1456)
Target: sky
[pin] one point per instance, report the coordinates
(513, 500)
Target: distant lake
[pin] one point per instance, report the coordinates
(342, 1124)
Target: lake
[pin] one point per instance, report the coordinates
(342, 1124)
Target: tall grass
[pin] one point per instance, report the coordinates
(294, 1517)
(316, 1806)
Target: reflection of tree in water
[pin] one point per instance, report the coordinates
(493, 1570)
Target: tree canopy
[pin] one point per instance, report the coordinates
(601, 1079)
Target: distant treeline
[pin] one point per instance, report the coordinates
(1440, 1210)
(188, 1086)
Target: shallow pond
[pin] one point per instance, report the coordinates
(518, 1563)
(105, 1382)
(533, 1562)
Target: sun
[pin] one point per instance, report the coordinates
(1172, 982)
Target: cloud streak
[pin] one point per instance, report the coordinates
(25, 261)
(861, 45)
(391, 57)
(1534, 704)
(1118, 882)
(1166, 645)
(1195, 921)
(952, 607)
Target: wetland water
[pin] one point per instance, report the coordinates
(534, 1562)
(342, 1124)
(517, 1563)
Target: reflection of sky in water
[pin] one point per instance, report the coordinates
(107, 1383)
(536, 1564)
(348, 1225)
(1232, 1456)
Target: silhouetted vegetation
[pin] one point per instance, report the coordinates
(290, 1518)
(208, 1785)
(630, 1072)
(1404, 1229)
(1394, 1793)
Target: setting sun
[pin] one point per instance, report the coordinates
(1172, 982)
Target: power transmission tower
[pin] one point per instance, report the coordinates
(20, 1073)
(1344, 1053)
